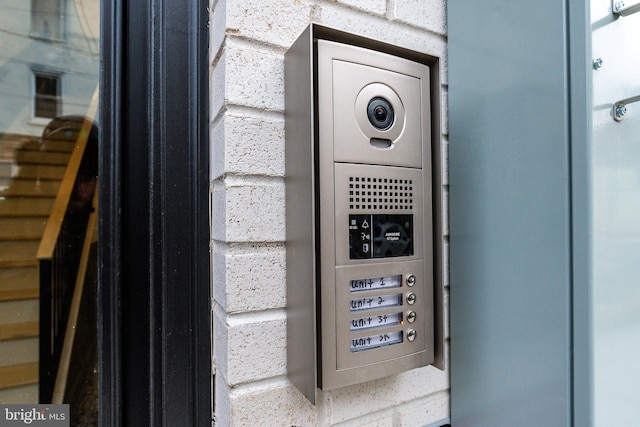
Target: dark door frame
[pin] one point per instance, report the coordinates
(154, 300)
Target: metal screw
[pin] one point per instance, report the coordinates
(617, 7)
(597, 63)
(621, 110)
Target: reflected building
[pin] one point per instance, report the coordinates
(49, 52)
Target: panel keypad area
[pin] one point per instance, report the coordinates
(380, 313)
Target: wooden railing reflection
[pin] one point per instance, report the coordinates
(60, 251)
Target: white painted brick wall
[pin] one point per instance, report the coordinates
(427, 14)
(249, 277)
(249, 142)
(248, 40)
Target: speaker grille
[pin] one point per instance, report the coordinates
(375, 193)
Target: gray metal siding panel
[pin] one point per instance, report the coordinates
(581, 71)
(509, 213)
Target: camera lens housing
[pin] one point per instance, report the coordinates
(380, 113)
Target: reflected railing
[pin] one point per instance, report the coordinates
(64, 249)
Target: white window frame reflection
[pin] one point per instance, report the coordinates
(46, 14)
(36, 119)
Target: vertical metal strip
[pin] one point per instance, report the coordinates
(580, 142)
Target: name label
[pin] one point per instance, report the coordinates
(373, 283)
(375, 302)
(375, 321)
(376, 341)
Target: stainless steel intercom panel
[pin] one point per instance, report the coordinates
(360, 246)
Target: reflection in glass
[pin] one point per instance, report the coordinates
(49, 53)
(47, 96)
(47, 19)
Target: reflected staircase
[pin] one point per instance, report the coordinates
(31, 170)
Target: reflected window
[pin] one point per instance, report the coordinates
(47, 19)
(47, 96)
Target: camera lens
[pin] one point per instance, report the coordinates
(380, 113)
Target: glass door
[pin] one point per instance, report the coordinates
(147, 130)
(49, 136)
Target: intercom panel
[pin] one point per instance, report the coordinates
(360, 246)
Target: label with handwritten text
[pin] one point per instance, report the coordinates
(376, 341)
(373, 283)
(376, 321)
(375, 302)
